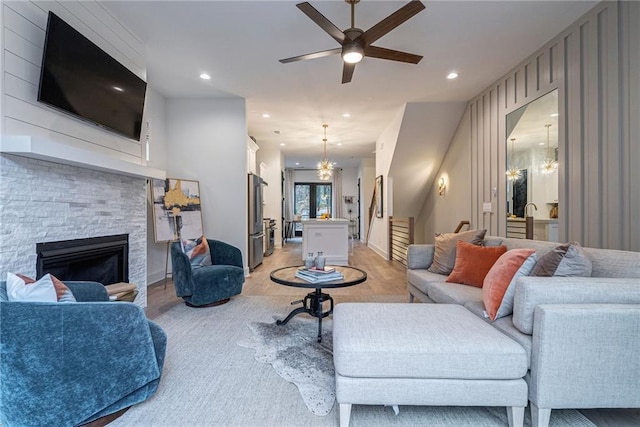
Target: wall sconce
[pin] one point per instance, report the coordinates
(442, 186)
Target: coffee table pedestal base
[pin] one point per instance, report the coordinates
(312, 304)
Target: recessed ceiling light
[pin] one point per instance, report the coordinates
(540, 143)
(346, 115)
(297, 163)
(205, 76)
(265, 115)
(452, 75)
(282, 144)
(339, 144)
(119, 89)
(554, 115)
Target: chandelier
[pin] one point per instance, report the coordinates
(513, 173)
(325, 168)
(549, 164)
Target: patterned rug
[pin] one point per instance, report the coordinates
(295, 354)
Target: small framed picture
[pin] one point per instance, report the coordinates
(378, 195)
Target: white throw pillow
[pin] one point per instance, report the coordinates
(39, 291)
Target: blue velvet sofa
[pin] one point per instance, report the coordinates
(212, 284)
(67, 364)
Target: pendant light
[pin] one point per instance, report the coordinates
(513, 173)
(549, 165)
(325, 168)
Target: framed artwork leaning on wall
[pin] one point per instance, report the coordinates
(378, 194)
(177, 213)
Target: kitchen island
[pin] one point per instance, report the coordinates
(331, 236)
(543, 228)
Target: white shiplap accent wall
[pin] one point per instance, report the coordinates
(595, 65)
(42, 201)
(24, 28)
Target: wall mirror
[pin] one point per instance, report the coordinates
(532, 168)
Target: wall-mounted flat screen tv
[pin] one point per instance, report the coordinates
(79, 78)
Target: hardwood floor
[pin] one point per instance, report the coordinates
(386, 281)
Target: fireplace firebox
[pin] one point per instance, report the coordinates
(102, 259)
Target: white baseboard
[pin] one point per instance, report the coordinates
(383, 253)
(154, 277)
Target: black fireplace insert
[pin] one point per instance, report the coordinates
(102, 259)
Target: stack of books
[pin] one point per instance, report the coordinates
(122, 291)
(314, 275)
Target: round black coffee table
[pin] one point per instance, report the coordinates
(312, 302)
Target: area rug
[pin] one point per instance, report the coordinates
(209, 380)
(295, 354)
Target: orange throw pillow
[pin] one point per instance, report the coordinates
(473, 263)
(499, 284)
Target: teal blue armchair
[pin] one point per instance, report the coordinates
(67, 364)
(210, 285)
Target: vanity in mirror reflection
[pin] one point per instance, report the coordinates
(532, 169)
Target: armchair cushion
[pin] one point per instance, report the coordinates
(84, 291)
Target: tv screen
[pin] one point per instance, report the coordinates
(81, 79)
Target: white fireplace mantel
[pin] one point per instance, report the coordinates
(27, 146)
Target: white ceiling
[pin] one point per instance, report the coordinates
(239, 44)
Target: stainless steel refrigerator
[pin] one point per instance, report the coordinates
(256, 228)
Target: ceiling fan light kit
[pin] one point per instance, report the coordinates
(355, 43)
(352, 53)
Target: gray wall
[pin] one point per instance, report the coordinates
(207, 142)
(595, 65)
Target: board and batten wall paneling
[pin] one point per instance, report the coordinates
(594, 64)
(23, 30)
(630, 123)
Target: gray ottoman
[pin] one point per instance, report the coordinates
(424, 354)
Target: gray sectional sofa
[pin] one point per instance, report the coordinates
(581, 334)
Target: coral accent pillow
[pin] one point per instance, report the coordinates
(473, 263)
(499, 284)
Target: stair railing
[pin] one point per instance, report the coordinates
(401, 235)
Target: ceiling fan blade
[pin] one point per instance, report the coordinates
(392, 21)
(312, 55)
(393, 55)
(347, 72)
(322, 22)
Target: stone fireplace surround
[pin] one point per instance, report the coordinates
(42, 201)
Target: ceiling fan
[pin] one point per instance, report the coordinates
(355, 43)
